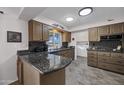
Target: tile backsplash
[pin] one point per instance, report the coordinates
(36, 46)
(106, 44)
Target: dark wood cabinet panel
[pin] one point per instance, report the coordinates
(111, 67)
(92, 58)
(117, 59)
(93, 34)
(106, 60)
(117, 55)
(69, 53)
(103, 30)
(35, 30)
(96, 32)
(28, 75)
(55, 78)
(20, 71)
(103, 57)
(116, 28)
(38, 31)
(104, 54)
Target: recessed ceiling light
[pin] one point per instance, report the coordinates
(85, 11)
(69, 19)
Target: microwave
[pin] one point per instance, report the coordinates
(111, 37)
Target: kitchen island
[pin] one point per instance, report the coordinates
(42, 68)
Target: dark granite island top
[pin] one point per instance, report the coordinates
(45, 62)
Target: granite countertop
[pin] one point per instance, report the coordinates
(59, 49)
(105, 50)
(25, 52)
(44, 62)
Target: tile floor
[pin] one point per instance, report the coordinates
(78, 73)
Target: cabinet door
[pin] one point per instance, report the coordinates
(20, 71)
(37, 31)
(93, 34)
(111, 67)
(92, 58)
(116, 28)
(45, 32)
(66, 36)
(103, 30)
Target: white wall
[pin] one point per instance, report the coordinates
(8, 50)
(79, 36)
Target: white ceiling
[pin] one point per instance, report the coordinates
(53, 15)
(11, 10)
(99, 14)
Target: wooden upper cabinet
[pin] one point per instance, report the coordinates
(35, 30)
(117, 28)
(66, 36)
(93, 34)
(103, 30)
(46, 29)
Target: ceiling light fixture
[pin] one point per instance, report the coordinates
(85, 11)
(69, 19)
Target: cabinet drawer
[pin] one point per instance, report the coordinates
(104, 54)
(117, 61)
(104, 59)
(92, 63)
(117, 55)
(92, 56)
(92, 59)
(92, 53)
(111, 67)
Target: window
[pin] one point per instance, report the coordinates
(54, 40)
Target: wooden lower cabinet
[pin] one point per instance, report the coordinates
(31, 76)
(20, 71)
(54, 78)
(27, 75)
(107, 61)
(111, 67)
(92, 58)
(103, 57)
(69, 53)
